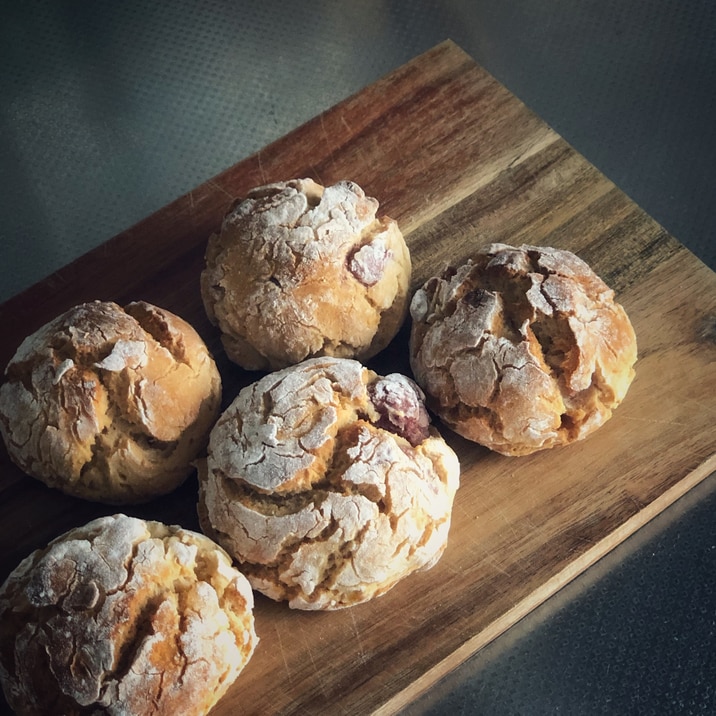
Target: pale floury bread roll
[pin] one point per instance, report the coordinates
(521, 349)
(299, 270)
(327, 484)
(110, 404)
(124, 617)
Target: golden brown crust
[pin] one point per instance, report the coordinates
(521, 349)
(299, 270)
(123, 616)
(110, 404)
(327, 484)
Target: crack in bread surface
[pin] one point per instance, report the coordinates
(128, 612)
(284, 251)
(508, 348)
(326, 518)
(143, 390)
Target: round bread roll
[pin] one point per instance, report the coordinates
(299, 270)
(521, 349)
(327, 483)
(110, 404)
(122, 617)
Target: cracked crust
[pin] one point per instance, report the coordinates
(110, 404)
(327, 483)
(299, 270)
(521, 349)
(124, 617)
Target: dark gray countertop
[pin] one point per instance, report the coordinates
(110, 110)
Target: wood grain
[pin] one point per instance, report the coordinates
(459, 162)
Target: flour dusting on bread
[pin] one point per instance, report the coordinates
(110, 404)
(521, 348)
(327, 484)
(124, 616)
(300, 270)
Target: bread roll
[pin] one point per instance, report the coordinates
(327, 484)
(110, 404)
(521, 349)
(124, 617)
(299, 270)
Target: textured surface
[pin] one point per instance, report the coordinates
(109, 403)
(135, 617)
(633, 635)
(327, 484)
(110, 110)
(332, 273)
(521, 348)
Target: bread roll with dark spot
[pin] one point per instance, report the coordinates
(327, 483)
(300, 270)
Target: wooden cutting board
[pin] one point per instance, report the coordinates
(459, 162)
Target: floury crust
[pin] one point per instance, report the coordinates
(327, 483)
